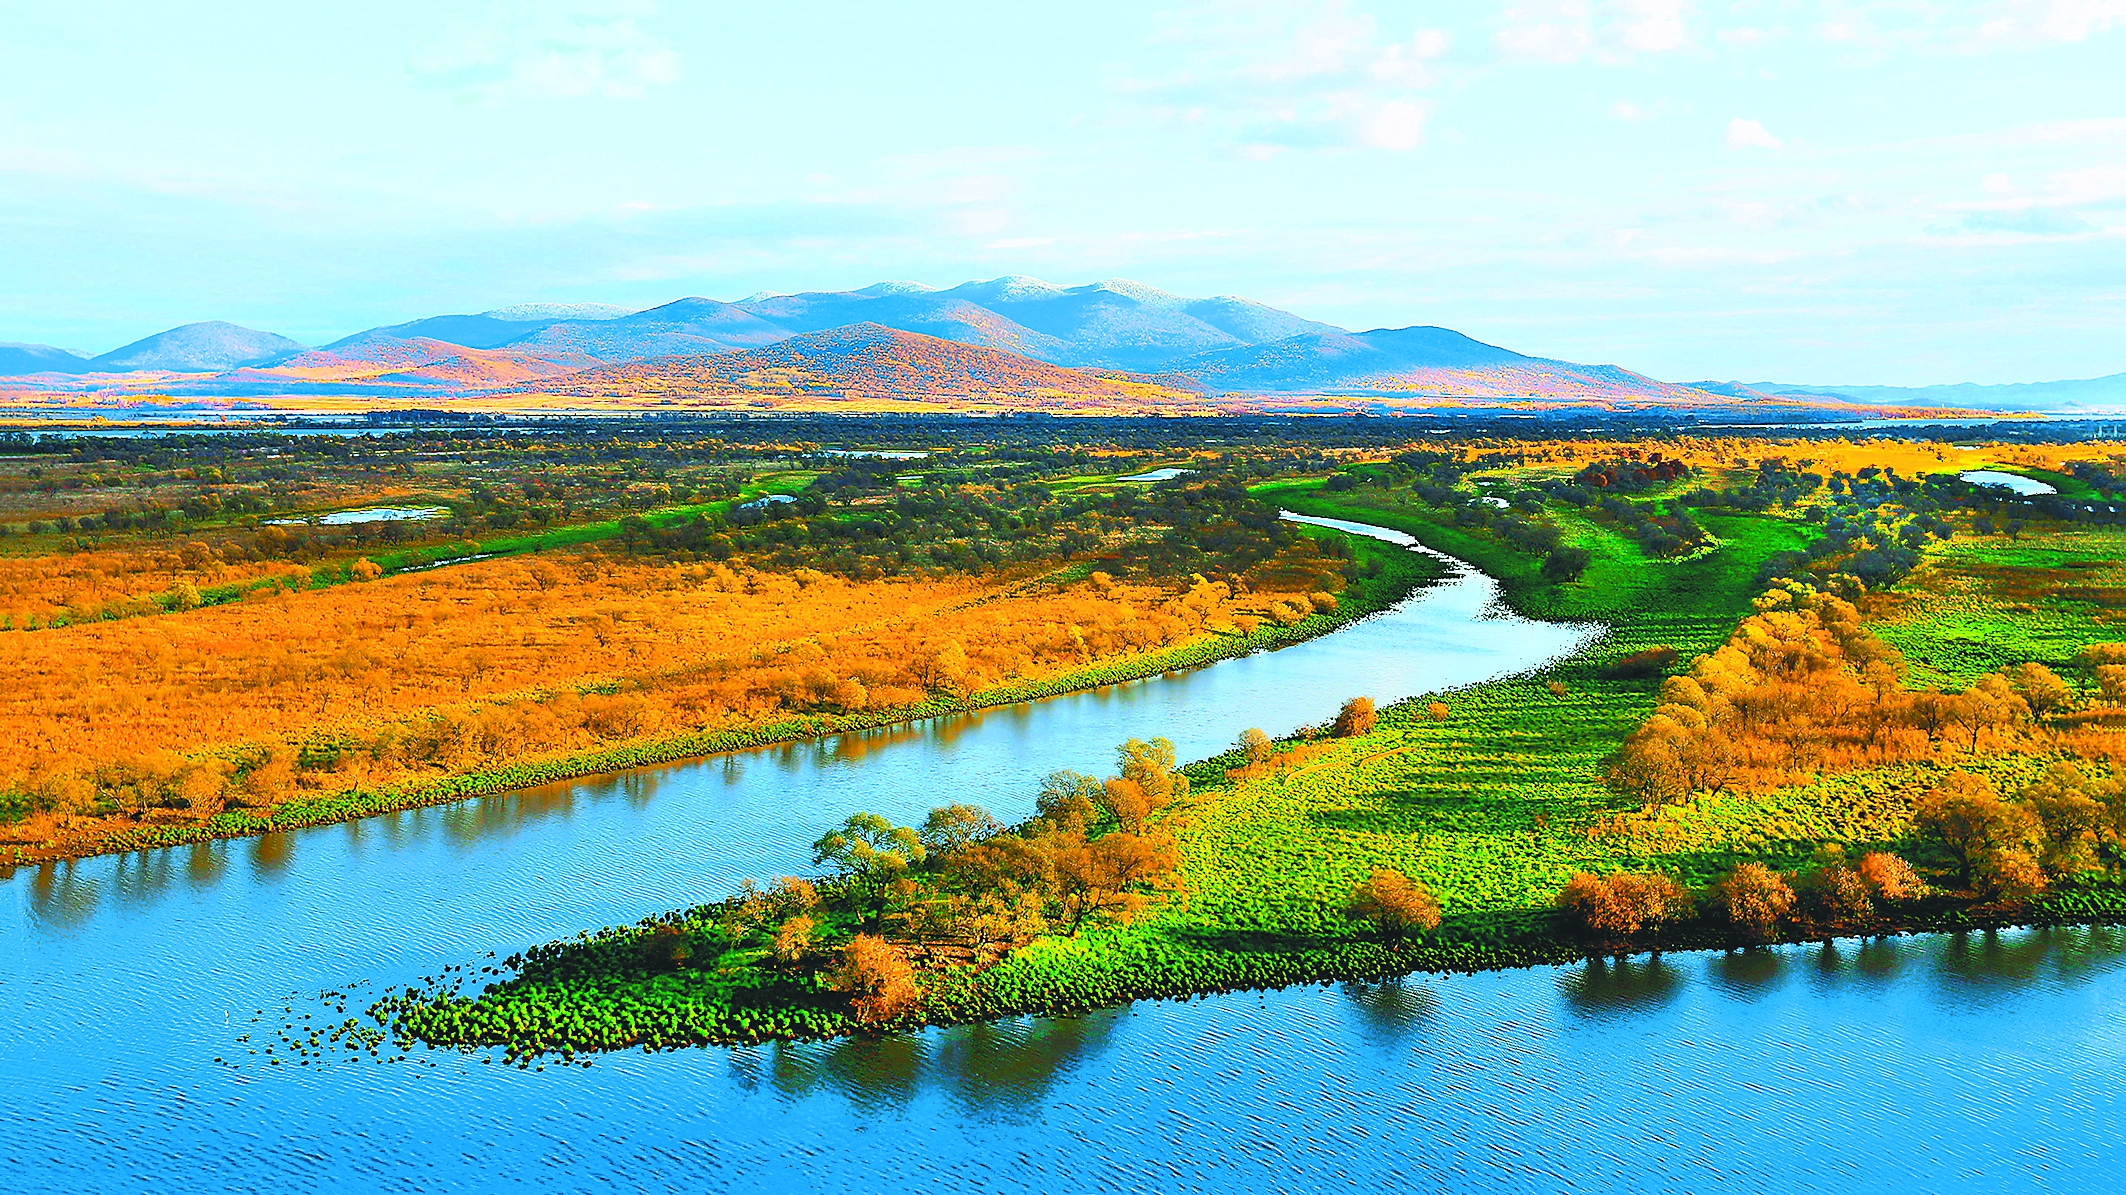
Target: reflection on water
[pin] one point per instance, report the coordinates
(64, 894)
(1391, 1010)
(1608, 987)
(271, 854)
(1748, 974)
(1971, 968)
(1003, 1068)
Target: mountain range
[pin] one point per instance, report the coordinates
(1117, 332)
(210, 347)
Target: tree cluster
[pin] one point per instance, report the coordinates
(2062, 825)
(1801, 687)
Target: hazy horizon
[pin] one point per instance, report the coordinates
(1802, 192)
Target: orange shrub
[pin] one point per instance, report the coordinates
(1622, 903)
(877, 978)
(1394, 904)
(1754, 899)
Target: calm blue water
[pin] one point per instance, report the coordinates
(1931, 1065)
(2026, 486)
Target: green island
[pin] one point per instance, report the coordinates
(1822, 706)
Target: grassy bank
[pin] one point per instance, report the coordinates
(1491, 795)
(1391, 575)
(1487, 805)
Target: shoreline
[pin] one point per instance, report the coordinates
(1065, 977)
(1419, 572)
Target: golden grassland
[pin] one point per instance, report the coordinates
(305, 691)
(1720, 456)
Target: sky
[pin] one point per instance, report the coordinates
(1829, 191)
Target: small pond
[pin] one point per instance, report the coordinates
(2028, 487)
(369, 514)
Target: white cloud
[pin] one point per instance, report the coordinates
(2053, 20)
(1410, 63)
(1553, 32)
(1311, 76)
(1398, 124)
(2032, 222)
(1879, 25)
(1562, 31)
(1653, 26)
(1750, 134)
(565, 48)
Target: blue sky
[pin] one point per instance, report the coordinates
(1900, 193)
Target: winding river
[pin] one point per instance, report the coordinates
(1983, 1063)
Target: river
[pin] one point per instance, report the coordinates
(1982, 1063)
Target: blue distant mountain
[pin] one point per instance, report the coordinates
(17, 360)
(2091, 395)
(686, 327)
(468, 331)
(1224, 344)
(1116, 324)
(210, 347)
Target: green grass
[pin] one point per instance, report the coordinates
(1984, 603)
(1490, 808)
(551, 538)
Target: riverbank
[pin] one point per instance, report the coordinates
(1267, 863)
(1392, 576)
(1487, 793)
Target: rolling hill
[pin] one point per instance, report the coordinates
(870, 366)
(2086, 395)
(1088, 339)
(210, 347)
(17, 360)
(682, 328)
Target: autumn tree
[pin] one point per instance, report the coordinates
(793, 939)
(1835, 891)
(1112, 877)
(2040, 688)
(1255, 746)
(2008, 875)
(2111, 681)
(869, 846)
(879, 980)
(1990, 704)
(793, 894)
(1966, 814)
(1355, 718)
(1002, 918)
(954, 827)
(1754, 899)
(1393, 904)
(2081, 817)
(1147, 783)
(1069, 798)
(1889, 877)
(1622, 903)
